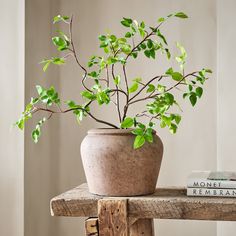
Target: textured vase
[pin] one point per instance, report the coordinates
(114, 168)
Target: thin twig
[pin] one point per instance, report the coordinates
(145, 85)
(155, 95)
(75, 55)
(108, 80)
(73, 109)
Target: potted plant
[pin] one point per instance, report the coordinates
(123, 159)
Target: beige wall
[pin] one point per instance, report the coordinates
(226, 126)
(41, 160)
(12, 103)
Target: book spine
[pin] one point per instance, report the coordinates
(203, 183)
(211, 192)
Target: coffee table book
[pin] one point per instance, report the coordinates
(212, 180)
(211, 192)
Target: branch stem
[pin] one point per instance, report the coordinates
(73, 109)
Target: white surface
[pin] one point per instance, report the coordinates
(12, 103)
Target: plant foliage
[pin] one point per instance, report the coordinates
(108, 86)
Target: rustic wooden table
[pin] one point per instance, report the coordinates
(133, 216)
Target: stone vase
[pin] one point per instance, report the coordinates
(114, 168)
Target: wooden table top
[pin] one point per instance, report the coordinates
(165, 203)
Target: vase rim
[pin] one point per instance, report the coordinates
(110, 131)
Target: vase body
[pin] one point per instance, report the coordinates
(114, 168)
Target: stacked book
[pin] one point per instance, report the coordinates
(213, 184)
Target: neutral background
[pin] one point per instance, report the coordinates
(205, 139)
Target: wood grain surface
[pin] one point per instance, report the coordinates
(165, 203)
(91, 226)
(113, 217)
(142, 227)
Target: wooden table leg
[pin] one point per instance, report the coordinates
(112, 217)
(91, 227)
(142, 227)
(113, 220)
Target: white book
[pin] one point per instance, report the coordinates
(209, 179)
(209, 192)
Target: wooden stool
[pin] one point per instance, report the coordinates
(133, 216)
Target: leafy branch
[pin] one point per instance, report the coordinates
(158, 92)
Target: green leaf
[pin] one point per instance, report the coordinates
(34, 100)
(138, 79)
(181, 15)
(58, 60)
(185, 95)
(160, 35)
(139, 141)
(151, 88)
(149, 43)
(134, 54)
(162, 19)
(127, 123)
(138, 131)
(60, 18)
(161, 88)
(173, 128)
(169, 98)
(149, 135)
(128, 35)
(103, 44)
(142, 25)
(36, 133)
(79, 116)
(177, 119)
(117, 80)
(88, 95)
(143, 46)
(176, 76)
(20, 124)
(167, 53)
(126, 22)
(72, 104)
(152, 53)
(103, 97)
(147, 53)
(130, 21)
(167, 120)
(58, 41)
(141, 126)
(112, 38)
(182, 58)
(162, 124)
(39, 89)
(126, 48)
(199, 91)
(46, 64)
(133, 88)
(193, 99)
(102, 37)
(141, 32)
(93, 74)
(169, 71)
(209, 71)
